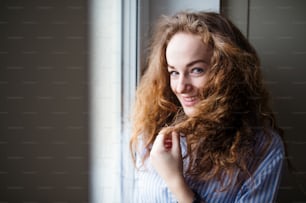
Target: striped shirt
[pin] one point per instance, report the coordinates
(261, 187)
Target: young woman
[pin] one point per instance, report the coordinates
(203, 130)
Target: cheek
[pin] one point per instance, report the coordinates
(200, 83)
(172, 85)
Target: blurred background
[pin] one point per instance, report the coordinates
(68, 72)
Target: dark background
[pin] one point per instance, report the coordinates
(277, 29)
(43, 101)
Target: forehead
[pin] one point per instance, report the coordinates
(185, 47)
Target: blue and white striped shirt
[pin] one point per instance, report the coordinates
(261, 187)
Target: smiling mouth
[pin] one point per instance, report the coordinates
(189, 101)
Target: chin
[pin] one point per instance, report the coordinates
(189, 111)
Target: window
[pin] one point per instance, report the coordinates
(118, 30)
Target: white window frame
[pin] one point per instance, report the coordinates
(129, 79)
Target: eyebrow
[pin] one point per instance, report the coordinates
(191, 63)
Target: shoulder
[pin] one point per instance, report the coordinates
(263, 184)
(272, 142)
(270, 152)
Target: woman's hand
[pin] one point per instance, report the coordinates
(166, 157)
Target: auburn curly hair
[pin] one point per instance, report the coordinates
(221, 135)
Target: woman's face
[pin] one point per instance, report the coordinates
(188, 60)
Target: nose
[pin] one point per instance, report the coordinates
(183, 84)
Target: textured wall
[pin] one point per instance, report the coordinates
(277, 29)
(43, 101)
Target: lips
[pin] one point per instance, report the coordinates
(189, 101)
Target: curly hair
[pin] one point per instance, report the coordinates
(234, 106)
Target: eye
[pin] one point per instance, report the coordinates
(173, 73)
(197, 70)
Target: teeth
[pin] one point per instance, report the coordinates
(190, 99)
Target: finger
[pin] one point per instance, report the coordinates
(161, 143)
(168, 142)
(164, 139)
(176, 141)
(160, 137)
